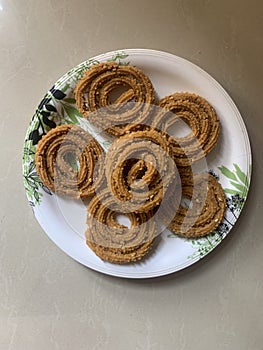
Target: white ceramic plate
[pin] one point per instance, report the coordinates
(64, 220)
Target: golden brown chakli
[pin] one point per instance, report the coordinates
(139, 170)
(199, 115)
(131, 105)
(203, 209)
(66, 158)
(115, 242)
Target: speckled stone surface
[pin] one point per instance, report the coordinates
(47, 300)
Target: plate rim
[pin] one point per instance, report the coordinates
(172, 57)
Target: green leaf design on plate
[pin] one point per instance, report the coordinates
(228, 173)
(72, 113)
(70, 100)
(171, 235)
(241, 175)
(32, 182)
(238, 179)
(118, 57)
(65, 87)
(230, 191)
(203, 246)
(206, 244)
(238, 186)
(28, 152)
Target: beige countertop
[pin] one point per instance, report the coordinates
(49, 301)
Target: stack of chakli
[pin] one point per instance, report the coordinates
(146, 171)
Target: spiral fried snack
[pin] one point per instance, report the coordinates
(55, 153)
(139, 170)
(112, 241)
(205, 209)
(199, 115)
(95, 91)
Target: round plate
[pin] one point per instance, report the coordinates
(63, 220)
